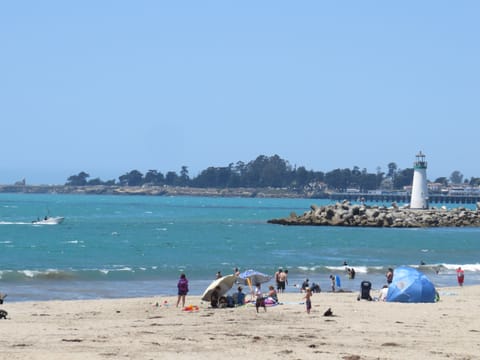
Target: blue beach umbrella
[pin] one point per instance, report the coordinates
(411, 286)
(254, 277)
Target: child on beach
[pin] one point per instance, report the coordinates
(308, 301)
(182, 286)
(332, 279)
(260, 301)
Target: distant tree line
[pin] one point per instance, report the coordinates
(271, 171)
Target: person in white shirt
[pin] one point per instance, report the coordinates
(260, 301)
(383, 293)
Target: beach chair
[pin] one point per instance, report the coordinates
(365, 287)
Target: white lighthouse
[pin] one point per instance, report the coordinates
(419, 199)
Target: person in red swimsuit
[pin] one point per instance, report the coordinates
(460, 276)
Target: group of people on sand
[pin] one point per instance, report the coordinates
(281, 279)
(217, 299)
(262, 299)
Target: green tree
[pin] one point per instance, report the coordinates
(474, 181)
(154, 177)
(132, 178)
(403, 178)
(95, 181)
(78, 180)
(171, 178)
(302, 177)
(456, 177)
(184, 178)
(392, 170)
(338, 179)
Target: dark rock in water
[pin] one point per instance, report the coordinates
(346, 214)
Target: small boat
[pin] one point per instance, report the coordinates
(49, 220)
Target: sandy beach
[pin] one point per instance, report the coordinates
(139, 329)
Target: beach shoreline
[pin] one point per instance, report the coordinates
(143, 328)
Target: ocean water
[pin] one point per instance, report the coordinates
(126, 246)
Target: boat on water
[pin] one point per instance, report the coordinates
(49, 220)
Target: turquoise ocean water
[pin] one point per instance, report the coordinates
(125, 246)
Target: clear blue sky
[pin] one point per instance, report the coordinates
(107, 87)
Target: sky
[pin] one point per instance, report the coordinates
(108, 87)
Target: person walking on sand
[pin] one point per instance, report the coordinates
(332, 279)
(308, 300)
(460, 276)
(182, 286)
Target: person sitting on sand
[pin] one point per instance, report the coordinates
(315, 288)
(215, 297)
(240, 296)
(272, 293)
(383, 293)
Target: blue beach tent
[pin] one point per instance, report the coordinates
(411, 286)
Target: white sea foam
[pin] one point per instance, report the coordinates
(30, 273)
(465, 267)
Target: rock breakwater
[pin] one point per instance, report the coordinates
(360, 215)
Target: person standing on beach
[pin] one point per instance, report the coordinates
(182, 286)
(460, 276)
(308, 300)
(389, 276)
(260, 300)
(277, 278)
(332, 279)
(282, 281)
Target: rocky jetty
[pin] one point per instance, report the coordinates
(360, 215)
